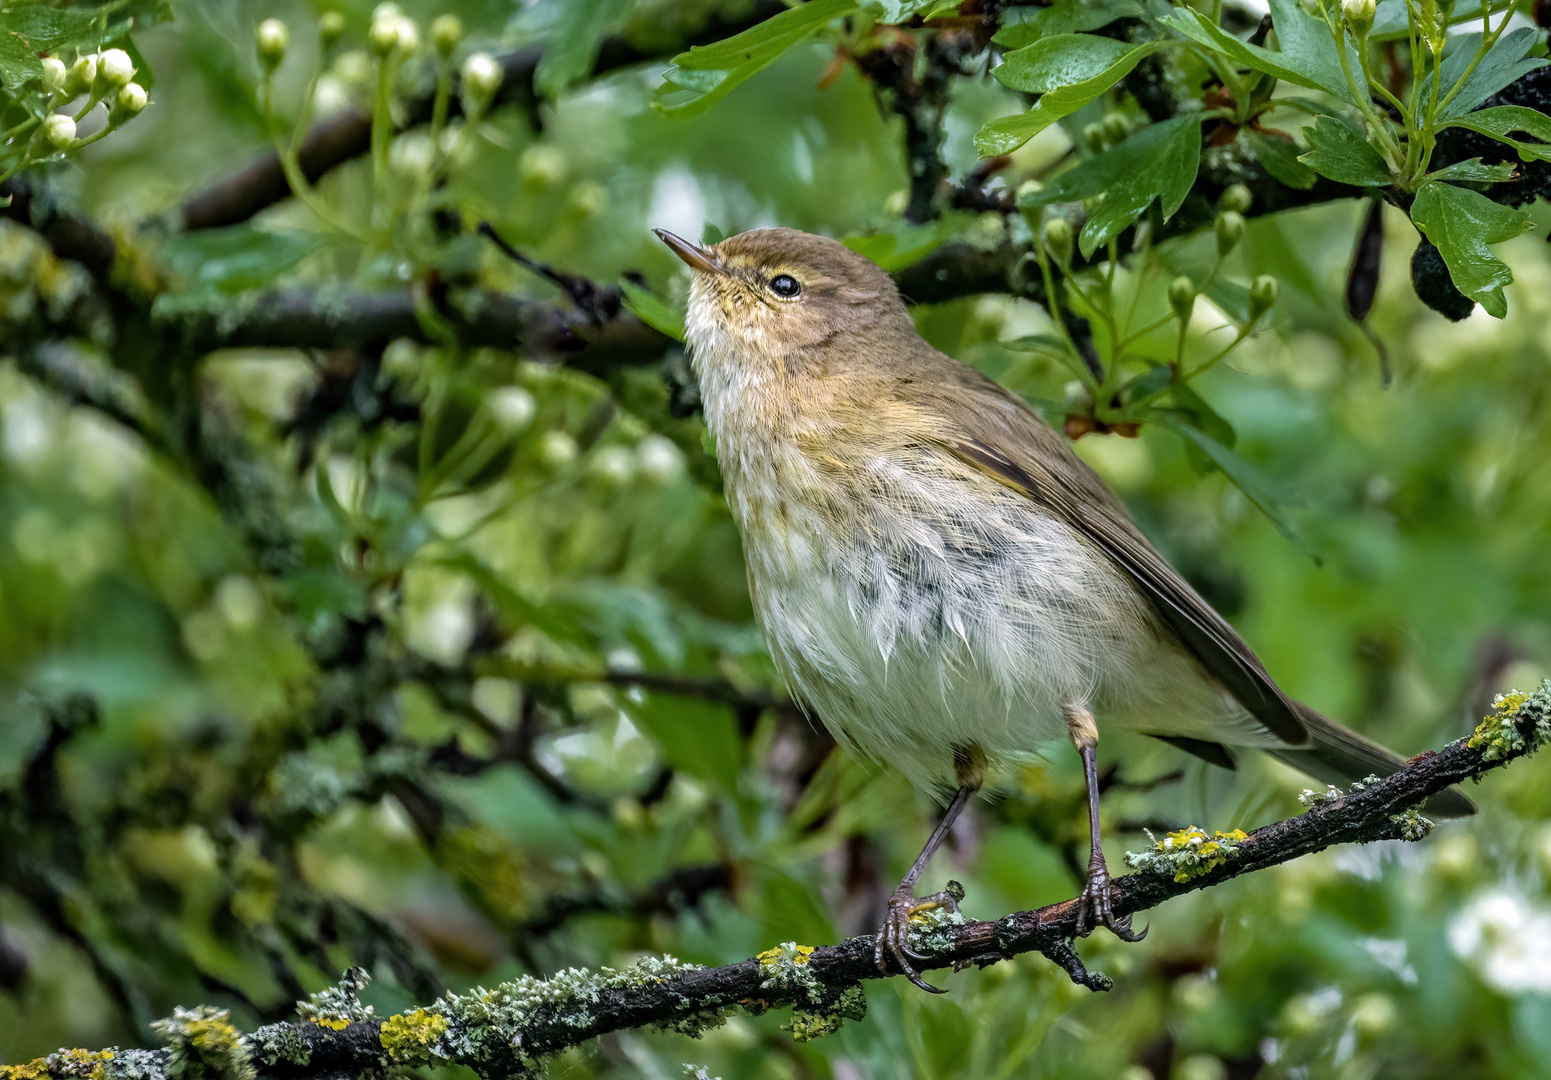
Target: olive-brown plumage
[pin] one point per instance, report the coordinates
(936, 573)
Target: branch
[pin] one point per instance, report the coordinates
(508, 1031)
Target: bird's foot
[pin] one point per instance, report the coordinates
(1096, 901)
(893, 937)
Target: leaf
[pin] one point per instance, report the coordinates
(906, 244)
(1280, 159)
(34, 28)
(1025, 25)
(1308, 55)
(653, 311)
(1473, 172)
(572, 46)
(1158, 162)
(708, 73)
(1207, 418)
(1244, 476)
(1460, 223)
(236, 259)
(1501, 120)
(1338, 152)
(896, 11)
(1505, 62)
(696, 736)
(1067, 71)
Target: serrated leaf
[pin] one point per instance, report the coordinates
(651, 310)
(1473, 172)
(1500, 121)
(1280, 159)
(1507, 61)
(1307, 55)
(1460, 223)
(1067, 71)
(1338, 152)
(1023, 26)
(1158, 162)
(572, 46)
(707, 73)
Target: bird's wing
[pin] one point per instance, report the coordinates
(995, 433)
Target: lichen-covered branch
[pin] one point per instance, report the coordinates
(509, 1030)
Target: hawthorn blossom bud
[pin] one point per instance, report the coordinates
(1230, 230)
(1359, 15)
(1058, 240)
(82, 74)
(1237, 198)
(54, 73)
(446, 32)
(481, 79)
(1182, 297)
(114, 68)
(331, 27)
(512, 407)
(659, 459)
(1263, 292)
(271, 40)
(1093, 137)
(383, 35)
(130, 100)
(1116, 127)
(59, 129)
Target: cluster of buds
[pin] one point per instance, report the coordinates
(107, 76)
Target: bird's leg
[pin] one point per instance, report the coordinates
(893, 937)
(1095, 899)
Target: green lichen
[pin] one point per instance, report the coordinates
(810, 1024)
(1311, 798)
(785, 968)
(81, 1064)
(1411, 825)
(931, 928)
(340, 1005)
(1518, 721)
(137, 1065)
(36, 1069)
(275, 1044)
(203, 1045)
(1187, 854)
(411, 1038)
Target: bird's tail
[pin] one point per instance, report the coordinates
(1338, 755)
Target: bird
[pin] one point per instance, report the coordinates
(938, 576)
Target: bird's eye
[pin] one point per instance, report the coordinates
(785, 285)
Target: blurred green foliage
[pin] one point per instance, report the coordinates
(439, 660)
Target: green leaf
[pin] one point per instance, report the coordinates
(1158, 162)
(696, 736)
(1025, 25)
(1308, 55)
(1501, 120)
(236, 259)
(28, 30)
(653, 311)
(1473, 172)
(896, 11)
(1506, 62)
(906, 243)
(1067, 71)
(1207, 419)
(1257, 487)
(1340, 153)
(1460, 223)
(572, 46)
(1147, 385)
(1280, 158)
(708, 73)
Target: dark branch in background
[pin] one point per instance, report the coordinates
(331, 143)
(509, 1031)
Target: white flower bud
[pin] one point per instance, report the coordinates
(611, 466)
(512, 408)
(331, 27)
(557, 448)
(114, 68)
(481, 79)
(1182, 298)
(54, 73)
(130, 100)
(446, 32)
(659, 459)
(382, 37)
(59, 129)
(1359, 15)
(82, 74)
(408, 35)
(271, 40)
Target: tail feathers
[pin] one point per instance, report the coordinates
(1337, 755)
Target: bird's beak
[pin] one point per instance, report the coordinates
(697, 257)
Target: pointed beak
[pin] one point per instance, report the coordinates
(697, 257)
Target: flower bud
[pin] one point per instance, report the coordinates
(659, 459)
(1116, 128)
(512, 408)
(1182, 297)
(1093, 138)
(1237, 198)
(557, 449)
(331, 27)
(382, 37)
(1230, 230)
(446, 32)
(54, 73)
(481, 79)
(1263, 292)
(1358, 15)
(82, 74)
(59, 129)
(114, 69)
(271, 39)
(611, 467)
(130, 101)
(1058, 240)
(409, 35)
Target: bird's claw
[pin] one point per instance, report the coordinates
(1096, 902)
(893, 937)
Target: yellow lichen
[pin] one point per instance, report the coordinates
(333, 1023)
(1188, 853)
(410, 1038)
(86, 1064)
(788, 951)
(36, 1069)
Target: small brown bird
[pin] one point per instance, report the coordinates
(937, 574)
